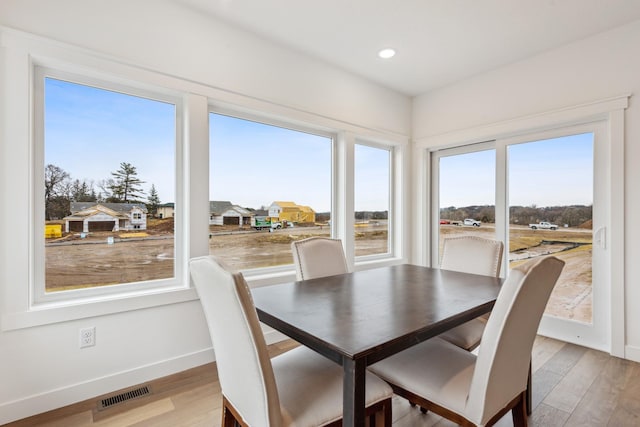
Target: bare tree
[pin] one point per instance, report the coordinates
(56, 189)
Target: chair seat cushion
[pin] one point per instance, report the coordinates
(310, 388)
(467, 335)
(434, 369)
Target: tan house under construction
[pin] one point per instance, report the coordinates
(90, 216)
(291, 212)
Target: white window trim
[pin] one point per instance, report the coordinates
(269, 275)
(391, 212)
(39, 296)
(342, 191)
(436, 155)
(593, 334)
(399, 207)
(22, 51)
(21, 308)
(611, 111)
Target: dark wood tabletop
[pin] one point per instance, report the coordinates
(357, 319)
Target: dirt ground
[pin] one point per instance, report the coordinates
(274, 248)
(75, 262)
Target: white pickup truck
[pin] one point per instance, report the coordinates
(543, 225)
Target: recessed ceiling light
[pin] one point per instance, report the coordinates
(387, 53)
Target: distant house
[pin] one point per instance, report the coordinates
(91, 216)
(261, 212)
(291, 212)
(226, 213)
(166, 210)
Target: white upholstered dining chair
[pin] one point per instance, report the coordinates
(478, 390)
(297, 388)
(474, 255)
(318, 257)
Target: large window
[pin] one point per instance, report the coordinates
(546, 192)
(109, 159)
(371, 199)
(466, 193)
(113, 176)
(551, 212)
(269, 186)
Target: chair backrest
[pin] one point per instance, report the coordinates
(502, 366)
(472, 254)
(318, 257)
(244, 368)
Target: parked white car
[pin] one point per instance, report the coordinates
(543, 226)
(473, 222)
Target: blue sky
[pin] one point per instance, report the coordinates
(254, 164)
(552, 172)
(371, 178)
(90, 131)
(468, 179)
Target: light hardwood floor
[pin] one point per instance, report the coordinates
(572, 386)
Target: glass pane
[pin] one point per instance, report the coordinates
(109, 174)
(467, 191)
(268, 187)
(550, 212)
(371, 200)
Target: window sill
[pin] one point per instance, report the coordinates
(56, 312)
(45, 314)
(266, 277)
(257, 279)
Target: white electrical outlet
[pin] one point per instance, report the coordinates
(87, 337)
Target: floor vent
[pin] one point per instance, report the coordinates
(123, 397)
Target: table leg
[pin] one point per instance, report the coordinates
(529, 392)
(353, 393)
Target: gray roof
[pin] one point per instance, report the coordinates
(118, 207)
(217, 207)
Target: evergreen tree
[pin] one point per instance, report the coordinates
(153, 202)
(125, 186)
(82, 191)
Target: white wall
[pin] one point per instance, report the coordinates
(160, 36)
(600, 67)
(41, 367)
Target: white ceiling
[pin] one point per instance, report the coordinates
(438, 42)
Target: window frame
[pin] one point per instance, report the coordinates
(39, 297)
(595, 334)
(609, 111)
(391, 215)
(265, 119)
(434, 195)
(24, 56)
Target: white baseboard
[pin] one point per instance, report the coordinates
(58, 398)
(632, 353)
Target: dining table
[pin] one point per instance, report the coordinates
(359, 318)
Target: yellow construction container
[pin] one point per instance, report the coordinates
(52, 231)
